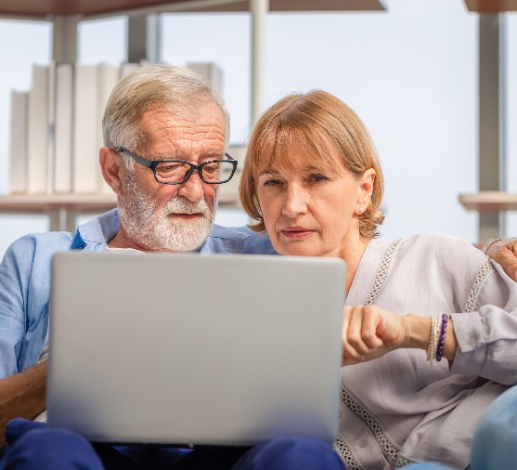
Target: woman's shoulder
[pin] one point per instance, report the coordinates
(444, 255)
(429, 245)
(441, 243)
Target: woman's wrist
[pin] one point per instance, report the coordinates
(418, 335)
(417, 330)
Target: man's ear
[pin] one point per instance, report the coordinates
(113, 168)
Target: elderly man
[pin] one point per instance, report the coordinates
(166, 135)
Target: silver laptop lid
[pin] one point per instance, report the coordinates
(190, 349)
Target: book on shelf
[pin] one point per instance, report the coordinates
(85, 122)
(63, 129)
(108, 77)
(51, 127)
(38, 130)
(230, 191)
(126, 68)
(211, 71)
(18, 143)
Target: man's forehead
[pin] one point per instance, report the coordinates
(178, 116)
(166, 133)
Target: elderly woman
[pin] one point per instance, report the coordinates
(430, 325)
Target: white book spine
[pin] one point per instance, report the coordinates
(37, 131)
(108, 78)
(18, 143)
(85, 163)
(63, 129)
(212, 72)
(51, 123)
(127, 68)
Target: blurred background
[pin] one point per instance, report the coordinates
(410, 72)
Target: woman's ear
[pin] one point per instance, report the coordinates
(113, 168)
(365, 190)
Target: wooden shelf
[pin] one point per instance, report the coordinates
(23, 203)
(63, 209)
(489, 201)
(45, 9)
(86, 203)
(491, 6)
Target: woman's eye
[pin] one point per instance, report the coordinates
(318, 178)
(271, 182)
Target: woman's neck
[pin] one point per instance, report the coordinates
(352, 250)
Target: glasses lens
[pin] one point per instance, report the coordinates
(217, 172)
(212, 172)
(171, 172)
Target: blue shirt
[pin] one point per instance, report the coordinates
(25, 280)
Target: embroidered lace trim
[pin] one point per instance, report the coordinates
(484, 271)
(347, 454)
(382, 273)
(390, 450)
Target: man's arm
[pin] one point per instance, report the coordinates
(504, 251)
(22, 395)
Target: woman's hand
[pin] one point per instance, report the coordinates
(370, 332)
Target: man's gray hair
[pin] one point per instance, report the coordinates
(176, 89)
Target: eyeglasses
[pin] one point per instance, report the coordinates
(179, 171)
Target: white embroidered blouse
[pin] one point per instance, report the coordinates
(398, 409)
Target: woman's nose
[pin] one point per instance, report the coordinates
(295, 202)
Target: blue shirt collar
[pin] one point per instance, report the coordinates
(97, 232)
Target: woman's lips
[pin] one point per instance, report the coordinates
(296, 232)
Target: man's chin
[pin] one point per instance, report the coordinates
(186, 235)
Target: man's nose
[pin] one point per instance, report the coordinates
(193, 188)
(295, 202)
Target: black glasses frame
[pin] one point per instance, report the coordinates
(152, 164)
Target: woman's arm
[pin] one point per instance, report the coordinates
(370, 332)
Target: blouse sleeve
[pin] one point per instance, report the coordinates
(487, 335)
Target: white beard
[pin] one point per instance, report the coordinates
(156, 231)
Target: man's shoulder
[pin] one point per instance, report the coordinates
(33, 252)
(239, 240)
(48, 241)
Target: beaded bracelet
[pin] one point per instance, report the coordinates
(434, 338)
(441, 339)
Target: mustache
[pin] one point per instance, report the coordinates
(181, 205)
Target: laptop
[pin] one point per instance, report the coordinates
(184, 349)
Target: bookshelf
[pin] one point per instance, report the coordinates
(491, 6)
(102, 8)
(143, 32)
(489, 201)
(63, 210)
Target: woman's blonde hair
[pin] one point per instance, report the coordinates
(311, 123)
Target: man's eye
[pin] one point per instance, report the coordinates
(172, 167)
(212, 167)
